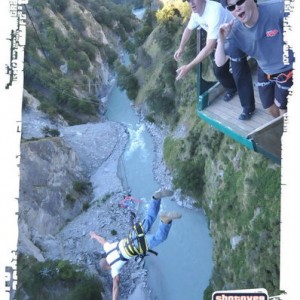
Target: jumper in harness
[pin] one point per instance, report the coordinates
(141, 250)
(128, 244)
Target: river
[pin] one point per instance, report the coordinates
(183, 266)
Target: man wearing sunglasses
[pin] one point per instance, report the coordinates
(209, 15)
(258, 31)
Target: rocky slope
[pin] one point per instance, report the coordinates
(52, 227)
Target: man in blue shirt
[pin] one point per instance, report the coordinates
(258, 31)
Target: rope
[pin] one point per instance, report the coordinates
(129, 201)
(39, 40)
(123, 172)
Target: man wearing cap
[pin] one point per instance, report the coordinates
(209, 15)
(118, 253)
(258, 31)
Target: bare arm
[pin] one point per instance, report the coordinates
(184, 39)
(205, 52)
(98, 238)
(220, 56)
(115, 291)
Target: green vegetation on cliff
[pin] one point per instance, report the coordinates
(238, 188)
(55, 280)
(66, 47)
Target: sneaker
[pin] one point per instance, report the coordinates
(161, 193)
(229, 95)
(246, 115)
(167, 217)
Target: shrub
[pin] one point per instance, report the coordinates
(49, 108)
(81, 187)
(103, 16)
(129, 46)
(106, 197)
(55, 57)
(172, 149)
(73, 65)
(54, 280)
(189, 176)
(25, 103)
(162, 104)
(63, 89)
(85, 206)
(164, 39)
(86, 107)
(141, 35)
(150, 118)
(127, 81)
(83, 60)
(50, 132)
(38, 4)
(89, 49)
(70, 198)
(113, 232)
(76, 20)
(110, 54)
(66, 271)
(58, 5)
(89, 289)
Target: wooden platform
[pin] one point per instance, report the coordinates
(227, 113)
(262, 133)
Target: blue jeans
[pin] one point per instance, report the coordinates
(163, 230)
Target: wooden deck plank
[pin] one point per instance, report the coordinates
(227, 113)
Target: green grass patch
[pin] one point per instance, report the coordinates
(52, 280)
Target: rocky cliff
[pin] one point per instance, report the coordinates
(55, 215)
(70, 50)
(55, 172)
(48, 171)
(69, 181)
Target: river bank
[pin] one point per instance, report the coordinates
(92, 142)
(89, 142)
(139, 163)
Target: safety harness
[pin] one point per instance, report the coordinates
(129, 244)
(141, 250)
(280, 78)
(121, 257)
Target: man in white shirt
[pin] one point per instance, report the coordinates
(209, 15)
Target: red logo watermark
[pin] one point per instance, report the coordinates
(251, 294)
(272, 33)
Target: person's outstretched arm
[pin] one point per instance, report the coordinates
(101, 240)
(205, 52)
(115, 291)
(184, 39)
(220, 56)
